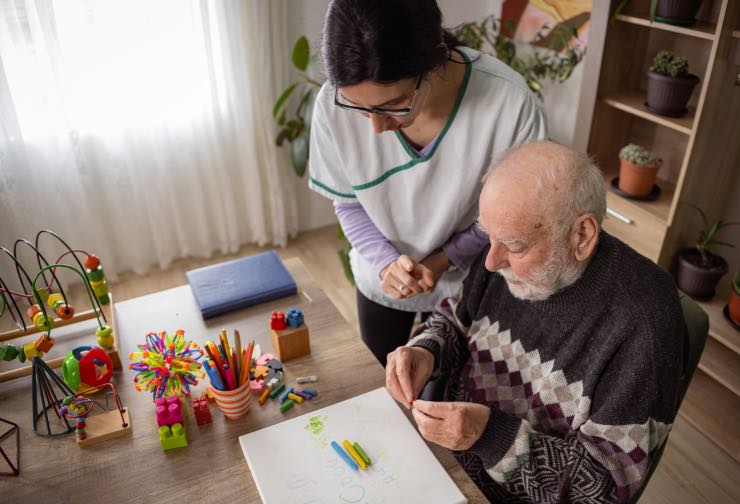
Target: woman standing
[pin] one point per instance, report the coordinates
(402, 133)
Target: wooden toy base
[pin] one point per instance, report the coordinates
(105, 426)
(290, 343)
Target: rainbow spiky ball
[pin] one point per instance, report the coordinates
(166, 365)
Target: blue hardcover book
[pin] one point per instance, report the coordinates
(236, 284)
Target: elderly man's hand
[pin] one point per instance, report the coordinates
(454, 425)
(407, 371)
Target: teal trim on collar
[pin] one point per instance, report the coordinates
(416, 160)
(329, 189)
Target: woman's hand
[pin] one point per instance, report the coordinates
(454, 425)
(406, 373)
(399, 280)
(404, 278)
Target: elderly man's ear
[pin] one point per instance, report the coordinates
(584, 236)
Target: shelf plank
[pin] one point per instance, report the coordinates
(660, 208)
(736, 33)
(633, 102)
(715, 411)
(719, 327)
(722, 364)
(700, 29)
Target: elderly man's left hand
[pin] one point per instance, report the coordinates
(454, 425)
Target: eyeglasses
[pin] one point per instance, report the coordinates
(381, 111)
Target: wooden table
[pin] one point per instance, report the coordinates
(212, 468)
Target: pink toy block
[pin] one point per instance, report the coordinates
(277, 320)
(169, 411)
(201, 410)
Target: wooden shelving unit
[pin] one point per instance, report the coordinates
(700, 155)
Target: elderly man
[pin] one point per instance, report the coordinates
(564, 349)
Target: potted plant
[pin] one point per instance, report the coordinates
(675, 12)
(669, 85)
(699, 269)
(638, 168)
(733, 307)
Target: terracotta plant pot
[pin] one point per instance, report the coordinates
(637, 180)
(695, 279)
(734, 307)
(677, 12)
(667, 95)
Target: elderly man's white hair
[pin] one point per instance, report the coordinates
(566, 182)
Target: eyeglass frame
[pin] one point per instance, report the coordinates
(380, 111)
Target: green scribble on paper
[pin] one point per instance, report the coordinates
(315, 425)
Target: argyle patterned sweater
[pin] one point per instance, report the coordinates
(583, 386)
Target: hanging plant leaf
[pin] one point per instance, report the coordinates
(279, 103)
(301, 54)
(344, 259)
(299, 154)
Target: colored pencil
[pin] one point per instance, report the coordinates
(344, 456)
(240, 361)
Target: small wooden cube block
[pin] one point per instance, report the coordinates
(290, 343)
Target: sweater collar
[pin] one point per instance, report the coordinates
(588, 288)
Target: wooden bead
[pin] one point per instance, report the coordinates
(42, 322)
(30, 351)
(92, 262)
(33, 310)
(100, 288)
(44, 344)
(53, 298)
(8, 352)
(65, 312)
(58, 303)
(95, 275)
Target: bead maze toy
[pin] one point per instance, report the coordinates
(94, 429)
(290, 338)
(48, 305)
(166, 365)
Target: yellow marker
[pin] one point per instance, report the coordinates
(296, 398)
(350, 449)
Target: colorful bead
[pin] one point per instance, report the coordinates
(92, 262)
(44, 343)
(104, 300)
(8, 352)
(21, 354)
(65, 312)
(95, 275)
(30, 351)
(40, 295)
(53, 298)
(33, 310)
(99, 288)
(42, 322)
(105, 336)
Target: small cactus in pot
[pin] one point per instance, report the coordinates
(638, 169)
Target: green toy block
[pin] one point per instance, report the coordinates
(173, 437)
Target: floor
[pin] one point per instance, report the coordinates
(693, 469)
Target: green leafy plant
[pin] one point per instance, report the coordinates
(736, 283)
(638, 155)
(556, 63)
(666, 63)
(706, 239)
(296, 127)
(343, 254)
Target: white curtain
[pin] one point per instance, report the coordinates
(141, 130)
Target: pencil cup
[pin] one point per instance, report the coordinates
(233, 403)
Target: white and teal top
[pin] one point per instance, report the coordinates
(418, 203)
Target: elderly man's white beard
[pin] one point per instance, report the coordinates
(560, 271)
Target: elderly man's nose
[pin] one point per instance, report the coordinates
(496, 258)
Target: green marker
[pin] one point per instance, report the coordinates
(286, 405)
(277, 391)
(361, 452)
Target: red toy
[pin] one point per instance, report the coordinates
(201, 410)
(277, 320)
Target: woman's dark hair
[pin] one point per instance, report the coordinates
(383, 40)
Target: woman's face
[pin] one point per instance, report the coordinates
(397, 95)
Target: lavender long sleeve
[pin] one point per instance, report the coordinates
(371, 244)
(365, 236)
